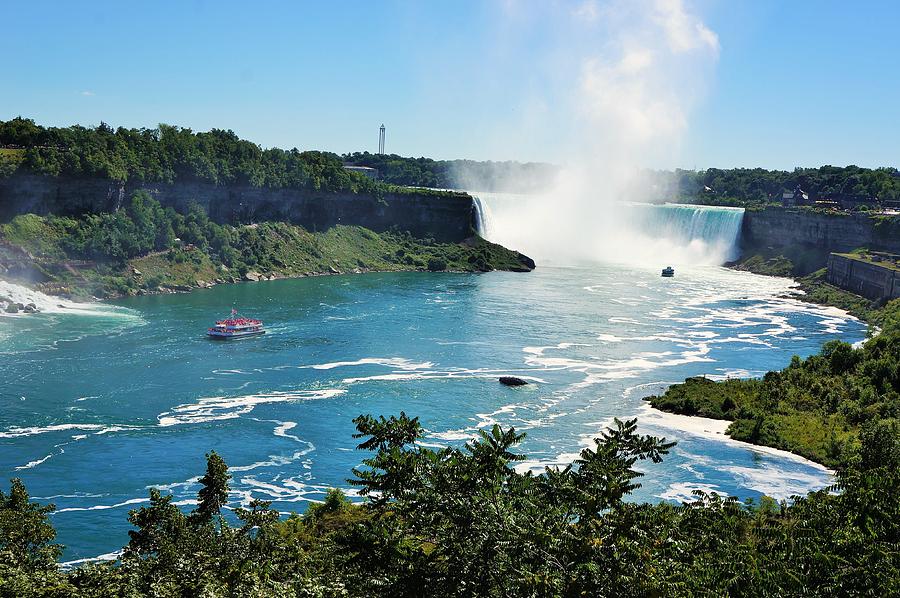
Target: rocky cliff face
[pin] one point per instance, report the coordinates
(778, 227)
(449, 218)
(873, 281)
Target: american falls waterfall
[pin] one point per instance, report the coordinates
(634, 233)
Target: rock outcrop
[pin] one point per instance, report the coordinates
(512, 381)
(449, 217)
(783, 227)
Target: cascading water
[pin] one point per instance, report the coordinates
(635, 233)
(699, 230)
(482, 217)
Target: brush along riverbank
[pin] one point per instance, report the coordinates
(815, 407)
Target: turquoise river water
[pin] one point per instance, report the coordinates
(100, 405)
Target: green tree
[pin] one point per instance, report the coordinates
(26, 535)
(214, 492)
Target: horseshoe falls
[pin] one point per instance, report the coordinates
(632, 233)
(703, 234)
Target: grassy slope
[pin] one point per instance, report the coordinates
(820, 437)
(285, 251)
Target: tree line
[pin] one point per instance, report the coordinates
(168, 154)
(741, 186)
(472, 175)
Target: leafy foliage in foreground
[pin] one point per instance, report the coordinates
(464, 522)
(816, 407)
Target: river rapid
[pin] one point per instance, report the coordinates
(102, 403)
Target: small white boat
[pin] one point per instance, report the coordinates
(236, 327)
(668, 272)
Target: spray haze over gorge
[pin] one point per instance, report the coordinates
(625, 79)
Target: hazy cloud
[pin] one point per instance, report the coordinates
(684, 31)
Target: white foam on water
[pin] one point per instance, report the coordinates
(453, 435)
(16, 432)
(779, 483)
(455, 373)
(689, 424)
(35, 463)
(113, 429)
(79, 399)
(684, 491)
(75, 495)
(282, 428)
(393, 362)
(484, 421)
(729, 374)
(56, 305)
(220, 408)
(278, 460)
(715, 429)
(130, 501)
(604, 370)
(109, 556)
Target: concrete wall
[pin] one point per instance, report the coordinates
(872, 281)
(780, 227)
(447, 218)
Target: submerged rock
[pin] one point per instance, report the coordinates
(512, 381)
(12, 308)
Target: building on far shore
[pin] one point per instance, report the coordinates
(797, 197)
(372, 173)
(841, 202)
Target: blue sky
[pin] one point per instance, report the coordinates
(794, 83)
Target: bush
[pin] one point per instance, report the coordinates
(436, 264)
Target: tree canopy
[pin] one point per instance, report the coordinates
(466, 521)
(168, 154)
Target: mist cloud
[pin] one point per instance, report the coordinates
(624, 79)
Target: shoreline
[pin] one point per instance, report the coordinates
(272, 277)
(715, 429)
(30, 286)
(818, 292)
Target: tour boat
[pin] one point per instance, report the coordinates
(235, 327)
(668, 272)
